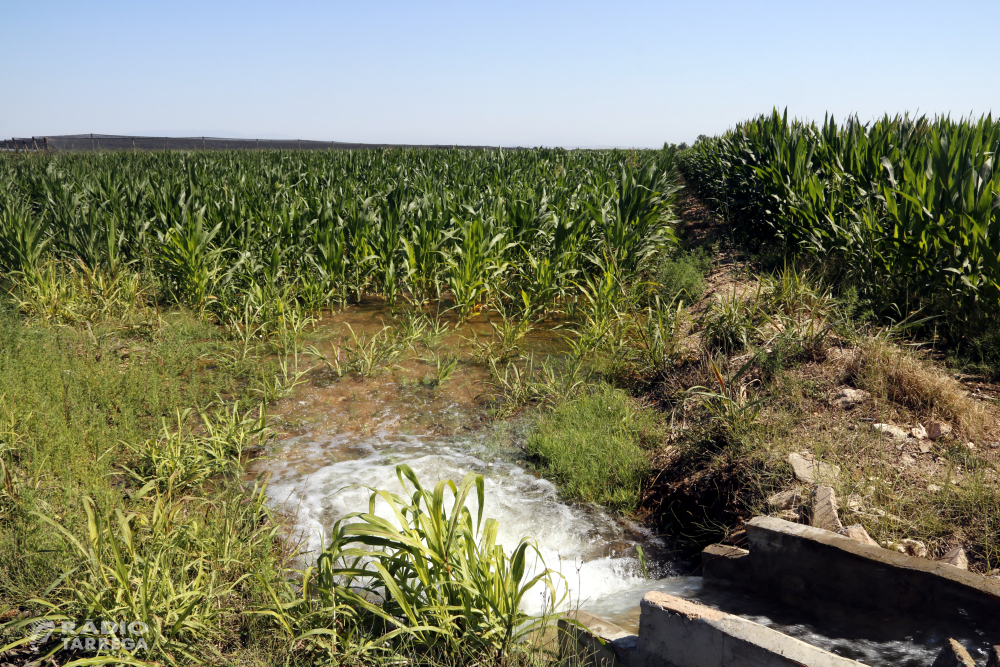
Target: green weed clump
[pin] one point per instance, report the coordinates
(682, 276)
(596, 447)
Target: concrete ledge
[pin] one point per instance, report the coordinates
(598, 643)
(723, 564)
(674, 632)
(801, 564)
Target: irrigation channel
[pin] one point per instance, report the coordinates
(338, 438)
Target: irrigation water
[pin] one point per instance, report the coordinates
(340, 438)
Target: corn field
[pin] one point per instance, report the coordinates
(212, 231)
(906, 208)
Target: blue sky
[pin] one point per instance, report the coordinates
(498, 73)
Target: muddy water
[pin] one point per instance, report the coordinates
(340, 436)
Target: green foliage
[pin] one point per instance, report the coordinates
(595, 447)
(903, 208)
(734, 404)
(433, 575)
(682, 276)
(463, 228)
(99, 518)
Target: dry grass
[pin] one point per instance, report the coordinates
(944, 495)
(893, 374)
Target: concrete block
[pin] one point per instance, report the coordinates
(674, 632)
(723, 564)
(858, 533)
(586, 640)
(957, 558)
(801, 564)
(807, 469)
(785, 500)
(954, 655)
(824, 509)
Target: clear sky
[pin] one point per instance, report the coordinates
(477, 72)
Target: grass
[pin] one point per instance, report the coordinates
(595, 447)
(900, 377)
(69, 399)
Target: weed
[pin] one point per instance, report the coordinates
(733, 320)
(595, 447)
(734, 404)
(682, 276)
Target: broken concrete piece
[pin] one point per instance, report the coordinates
(824, 510)
(858, 534)
(994, 658)
(891, 431)
(954, 655)
(848, 398)
(957, 558)
(790, 515)
(809, 470)
(912, 548)
(785, 500)
(919, 432)
(724, 564)
(938, 430)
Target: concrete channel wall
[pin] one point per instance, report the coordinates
(800, 564)
(674, 632)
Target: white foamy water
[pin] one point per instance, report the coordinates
(323, 478)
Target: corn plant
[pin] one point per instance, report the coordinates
(433, 574)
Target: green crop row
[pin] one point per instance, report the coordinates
(463, 227)
(906, 208)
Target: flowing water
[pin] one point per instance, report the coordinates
(341, 437)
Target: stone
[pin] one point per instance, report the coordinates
(938, 430)
(724, 564)
(970, 445)
(925, 447)
(934, 488)
(957, 558)
(858, 534)
(919, 432)
(954, 655)
(824, 509)
(891, 431)
(854, 502)
(848, 398)
(809, 470)
(790, 515)
(785, 500)
(912, 548)
(994, 658)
